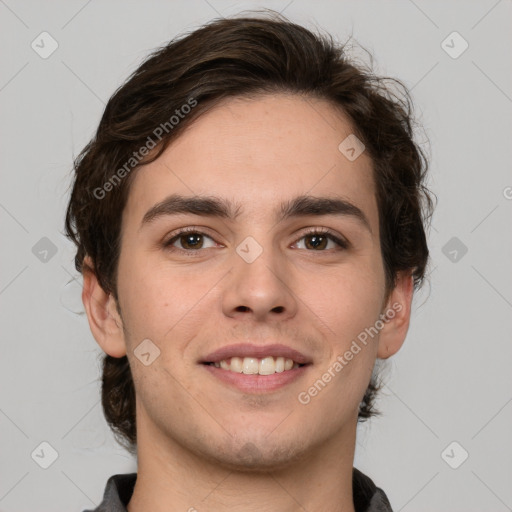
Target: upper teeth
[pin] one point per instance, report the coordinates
(253, 365)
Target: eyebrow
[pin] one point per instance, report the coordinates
(211, 206)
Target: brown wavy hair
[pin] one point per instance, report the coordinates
(244, 56)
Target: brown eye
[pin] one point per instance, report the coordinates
(188, 241)
(191, 241)
(316, 241)
(319, 241)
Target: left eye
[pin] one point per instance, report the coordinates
(194, 240)
(320, 240)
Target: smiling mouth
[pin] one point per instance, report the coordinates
(256, 366)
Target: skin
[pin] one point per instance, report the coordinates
(201, 443)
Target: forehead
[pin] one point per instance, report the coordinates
(258, 152)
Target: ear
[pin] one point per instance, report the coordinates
(104, 320)
(398, 312)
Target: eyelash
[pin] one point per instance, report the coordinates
(343, 244)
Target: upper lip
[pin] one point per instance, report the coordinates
(256, 351)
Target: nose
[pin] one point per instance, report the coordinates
(261, 289)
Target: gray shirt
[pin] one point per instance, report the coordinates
(367, 497)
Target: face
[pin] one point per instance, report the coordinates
(228, 302)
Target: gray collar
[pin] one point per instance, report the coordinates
(367, 496)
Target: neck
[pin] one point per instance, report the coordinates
(172, 478)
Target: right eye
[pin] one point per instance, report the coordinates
(189, 239)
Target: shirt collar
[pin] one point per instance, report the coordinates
(367, 496)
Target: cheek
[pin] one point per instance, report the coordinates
(162, 303)
(345, 300)
(349, 306)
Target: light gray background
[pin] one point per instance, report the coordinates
(452, 379)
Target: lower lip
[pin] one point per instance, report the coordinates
(257, 383)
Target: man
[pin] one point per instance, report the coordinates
(249, 220)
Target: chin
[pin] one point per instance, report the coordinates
(256, 455)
